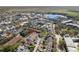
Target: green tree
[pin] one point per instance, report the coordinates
(31, 47)
(8, 49)
(23, 33)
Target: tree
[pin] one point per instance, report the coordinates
(8, 49)
(61, 44)
(23, 33)
(31, 47)
(43, 32)
(57, 29)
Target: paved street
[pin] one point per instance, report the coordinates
(36, 46)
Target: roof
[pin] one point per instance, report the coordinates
(66, 21)
(69, 42)
(52, 16)
(72, 49)
(72, 24)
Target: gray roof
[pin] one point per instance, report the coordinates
(72, 24)
(69, 42)
(72, 49)
(66, 21)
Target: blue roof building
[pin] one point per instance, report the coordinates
(55, 16)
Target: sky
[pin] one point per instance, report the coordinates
(39, 2)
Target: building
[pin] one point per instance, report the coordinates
(56, 17)
(73, 25)
(66, 21)
(70, 44)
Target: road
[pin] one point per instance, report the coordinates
(49, 45)
(38, 42)
(58, 37)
